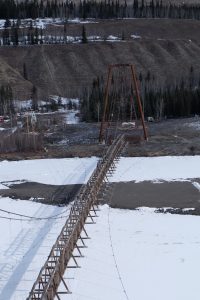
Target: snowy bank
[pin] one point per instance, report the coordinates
(25, 243)
(78, 170)
(49, 171)
(139, 255)
(167, 168)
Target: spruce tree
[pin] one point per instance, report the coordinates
(25, 74)
(34, 98)
(84, 37)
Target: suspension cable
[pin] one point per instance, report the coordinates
(114, 257)
(111, 244)
(33, 218)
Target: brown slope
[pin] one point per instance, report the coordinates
(167, 48)
(11, 76)
(65, 69)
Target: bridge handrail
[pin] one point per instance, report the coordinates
(81, 206)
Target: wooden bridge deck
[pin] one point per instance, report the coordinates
(84, 206)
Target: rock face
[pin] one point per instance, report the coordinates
(168, 48)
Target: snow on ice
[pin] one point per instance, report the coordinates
(78, 170)
(25, 244)
(131, 254)
(168, 168)
(49, 171)
(2, 186)
(140, 254)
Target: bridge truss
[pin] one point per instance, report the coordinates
(84, 207)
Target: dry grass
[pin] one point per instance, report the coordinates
(20, 141)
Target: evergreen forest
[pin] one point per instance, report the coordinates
(174, 100)
(10, 9)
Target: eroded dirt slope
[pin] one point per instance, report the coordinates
(167, 47)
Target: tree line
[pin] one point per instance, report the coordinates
(175, 100)
(14, 35)
(11, 9)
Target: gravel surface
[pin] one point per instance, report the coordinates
(175, 195)
(44, 193)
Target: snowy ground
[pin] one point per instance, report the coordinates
(78, 170)
(71, 117)
(195, 124)
(166, 168)
(131, 255)
(48, 171)
(25, 243)
(139, 255)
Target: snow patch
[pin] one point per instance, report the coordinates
(195, 125)
(168, 168)
(72, 117)
(3, 187)
(112, 38)
(196, 185)
(188, 209)
(25, 244)
(130, 250)
(135, 36)
(49, 171)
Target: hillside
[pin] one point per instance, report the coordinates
(168, 48)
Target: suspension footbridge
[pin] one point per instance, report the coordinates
(85, 204)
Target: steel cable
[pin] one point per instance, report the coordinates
(111, 244)
(33, 218)
(114, 257)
